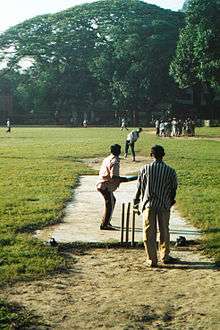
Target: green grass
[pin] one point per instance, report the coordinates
(40, 167)
(208, 132)
(13, 316)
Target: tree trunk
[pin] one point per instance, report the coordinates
(209, 97)
(135, 117)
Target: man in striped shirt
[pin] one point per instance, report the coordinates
(157, 184)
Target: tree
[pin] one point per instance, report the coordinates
(140, 40)
(114, 52)
(197, 60)
(185, 5)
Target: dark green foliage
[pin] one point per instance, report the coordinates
(13, 316)
(105, 54)
(197, 60)
(185, 5)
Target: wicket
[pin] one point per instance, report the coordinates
(126, 228)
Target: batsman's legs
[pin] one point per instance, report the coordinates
(126, 147)
(132, 150)
(109, 206)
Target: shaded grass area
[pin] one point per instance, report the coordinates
(13, 316)
(39, 170)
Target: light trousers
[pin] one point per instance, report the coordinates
(151, 218)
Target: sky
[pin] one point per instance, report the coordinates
(13, 12)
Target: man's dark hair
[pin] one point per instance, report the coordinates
(140, 129)
(115, 149)
(157, 151)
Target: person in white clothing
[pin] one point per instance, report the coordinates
(162, 128)
(157, 126)
(174, 127)
(123, 124)
(130, 141)
(85, 123)
(8, 125)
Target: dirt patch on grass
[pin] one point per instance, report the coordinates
(111, 288)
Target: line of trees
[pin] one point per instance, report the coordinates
(112, 57)
(197, 59)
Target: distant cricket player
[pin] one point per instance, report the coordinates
(8, 126)
(130, 141)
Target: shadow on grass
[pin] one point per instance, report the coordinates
(32, 227)
(211, 230)
(81, 248)
(172, 231)
(184, 265)
(15, 316)
(71, 158)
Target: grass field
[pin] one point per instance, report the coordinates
(40, 168)
(208, 132)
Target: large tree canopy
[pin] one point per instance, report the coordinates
(185, 5)
(197, 59)
(114, 52)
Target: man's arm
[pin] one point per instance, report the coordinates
(174, 185)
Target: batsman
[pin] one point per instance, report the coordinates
(109, 180)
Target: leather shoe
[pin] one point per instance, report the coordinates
(107, 227)
(170, 260)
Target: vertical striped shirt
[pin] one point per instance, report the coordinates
(157, 184)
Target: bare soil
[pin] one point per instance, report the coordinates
(112, 288)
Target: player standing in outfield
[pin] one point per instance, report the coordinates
(157, 126)
(130, 141)
(157, 184)
(8, 126)
(85, 123)
(174, 127)
(123, 124)
(109, 181)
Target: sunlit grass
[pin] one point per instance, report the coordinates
(40, 167)
(208, 131)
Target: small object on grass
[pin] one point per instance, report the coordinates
(53, 242)
(181, 241)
